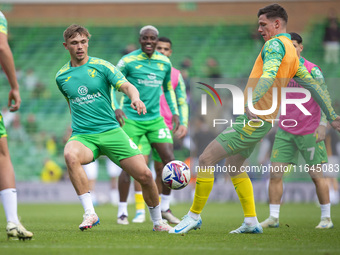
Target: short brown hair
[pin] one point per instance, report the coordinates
(274, 11)
(75, 29)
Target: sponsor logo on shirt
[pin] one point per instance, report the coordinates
(274, 46)
(152, 76)
(87, 99)
(82, 90)
(152, 82)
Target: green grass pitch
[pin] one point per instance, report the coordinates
(56, 232)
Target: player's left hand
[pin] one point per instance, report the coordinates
(120, 116)
(14, 95)
(181, 132)
(320, 133)
(139, 106)
(336, 124)
(175, 120)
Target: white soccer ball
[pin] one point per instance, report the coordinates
(176, 175)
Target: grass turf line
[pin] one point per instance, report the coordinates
(56, 232)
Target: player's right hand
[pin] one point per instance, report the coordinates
(336, 124)
(139, 106)
(320, 133)
(120, 115)
(250, 115)
(181, 131)
(14, 95)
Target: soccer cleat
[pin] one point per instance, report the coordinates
(325, 223)
(123, 220)
(18, 230)
(186, 224)
(167, 215)
(245, 228)
(89, 220)
(139, 218)
(162, 226)
(271, 222)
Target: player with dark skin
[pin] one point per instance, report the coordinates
(148, 40)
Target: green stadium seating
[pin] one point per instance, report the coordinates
(40, 48)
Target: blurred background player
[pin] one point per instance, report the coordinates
(275, 66)
(113, 171)
(306, 137)
(164, 46)
(149, 71)
(95, 130)
(8, 191)
(331, 172)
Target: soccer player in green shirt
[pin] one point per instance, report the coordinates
(86, 82)
(8, 191)
(150, 72)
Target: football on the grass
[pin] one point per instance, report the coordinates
(176, 175)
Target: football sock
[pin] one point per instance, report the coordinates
(193, 215)
(140, 205)
(9, 201)
(244, 190)
(86, 201)
(93, 197)
(114, 196)
(333, 196)
(325, 210)
(155, 214)
(274, 210)
(122, 209)
(165, 202)
(202, 192)
(251, 221)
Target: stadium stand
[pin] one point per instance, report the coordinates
(41, 48)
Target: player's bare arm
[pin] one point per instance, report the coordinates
(7, 63)
(128, 89)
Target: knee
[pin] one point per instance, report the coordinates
(145, 177)
(319, 181)
(203, 160)
(124, 177)
(70, 157)
(275, 177)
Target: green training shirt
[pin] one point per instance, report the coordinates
(148, 75)
(88, 88)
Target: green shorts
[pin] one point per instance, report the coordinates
(145, 148)
(115, 144)
(242, 139)
(155, 130)
(3, 132)
(286, 146)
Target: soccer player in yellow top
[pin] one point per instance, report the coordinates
(275, 66)
(8, 192)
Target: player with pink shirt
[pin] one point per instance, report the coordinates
(303, 133)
